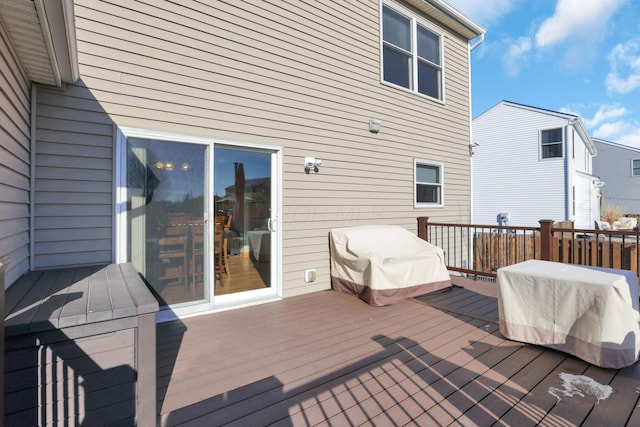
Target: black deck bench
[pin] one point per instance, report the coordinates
(80, 348)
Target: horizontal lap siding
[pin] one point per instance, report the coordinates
(613, 166)
(509, 175)
(74, 179)
(15, 134)
(301, 75)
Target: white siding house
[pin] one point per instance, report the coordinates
(158, 101)
(531, 164)
(618, 166)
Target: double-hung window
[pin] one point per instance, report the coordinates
(411, 54)
(428, 184)
(551, 143)
(635, 167)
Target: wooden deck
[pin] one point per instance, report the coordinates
(246, 274)
(330, 359)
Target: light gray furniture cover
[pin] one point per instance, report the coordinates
(589, 312)
(383, 264)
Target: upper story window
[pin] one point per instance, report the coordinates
(411, 54)
(428, 183)
(635, 167)
(551, 143)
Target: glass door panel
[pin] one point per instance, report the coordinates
(200, 221)
(243, 203)
(166, 227)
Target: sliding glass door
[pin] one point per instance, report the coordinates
(244, 197)
(200, 220)
(166, 225)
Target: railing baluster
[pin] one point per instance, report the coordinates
(489, 247)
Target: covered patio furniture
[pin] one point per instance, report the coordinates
(589, 312)
(383, 264)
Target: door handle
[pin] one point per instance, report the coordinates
(270, 224)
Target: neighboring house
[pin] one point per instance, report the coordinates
(121, 117)
(531, 164)
(618, 166)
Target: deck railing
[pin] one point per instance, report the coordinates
(479, 250)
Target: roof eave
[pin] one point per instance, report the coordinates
(582, 131)
(42, 36)
(449, 16)
(59, 32)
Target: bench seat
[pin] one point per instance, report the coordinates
(80, 348)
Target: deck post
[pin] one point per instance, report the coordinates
(546, 239)
(423, 221)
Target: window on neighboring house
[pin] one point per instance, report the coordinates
(635, 167)
(428, 184)
(411, 54)
(551, 143)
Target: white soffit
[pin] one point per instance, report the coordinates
(42, 33)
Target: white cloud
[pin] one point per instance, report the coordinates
(604, 113)
(622, 132)
(631, 138)
(571, 109)
(577, 24)
(575, 19)
(515, 57)
(484, 12)
(608, 123)
(624, 74)
(613, 130)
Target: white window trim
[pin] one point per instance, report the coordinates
(440, 167)
(414, 20)
(562, 141)
(632, 174)
(120, 239)
(120, 179)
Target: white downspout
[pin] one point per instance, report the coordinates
(477, 43)
(470, 49)
(568, 177)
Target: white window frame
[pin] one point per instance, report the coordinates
(415, 21)
(633, 168)
(561, 142)
(275, 292)
(440, 166)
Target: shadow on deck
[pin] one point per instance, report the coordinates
(330, 359)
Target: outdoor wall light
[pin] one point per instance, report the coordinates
(374, 125)
(312, 164)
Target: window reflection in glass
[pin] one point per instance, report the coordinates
(166, 205)
(551, 143)
(428, 183)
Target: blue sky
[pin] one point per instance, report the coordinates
(576, 56)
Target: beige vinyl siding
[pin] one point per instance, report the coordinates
(15, 106)
(301, 75)
(73, 206)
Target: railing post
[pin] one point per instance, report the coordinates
(546, 239)
(423, 221)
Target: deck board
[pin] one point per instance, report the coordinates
(330, 359)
